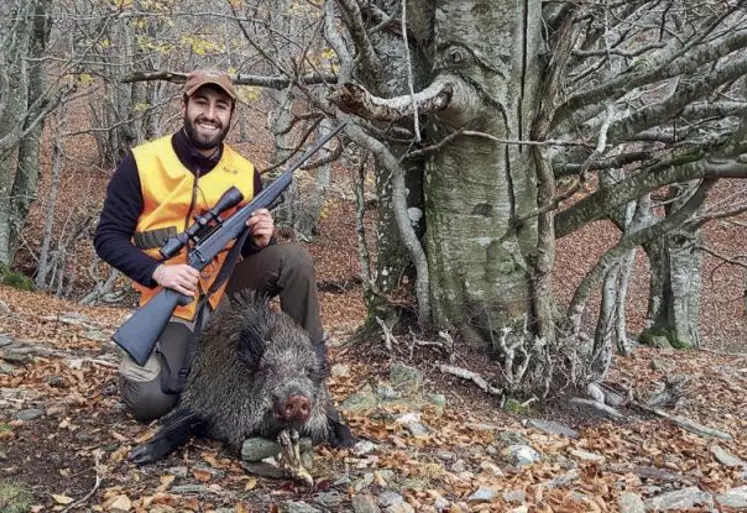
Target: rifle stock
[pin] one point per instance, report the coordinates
(139, 334)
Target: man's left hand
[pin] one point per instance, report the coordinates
(261, 227)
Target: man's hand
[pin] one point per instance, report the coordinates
(182, 278)
(261, 227)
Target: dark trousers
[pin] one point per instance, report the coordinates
(284, 270)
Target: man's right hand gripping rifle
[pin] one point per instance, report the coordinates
(210, 235)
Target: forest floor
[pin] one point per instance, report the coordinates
(443, 446)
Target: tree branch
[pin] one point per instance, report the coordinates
(273, 81)
(628, 242)
(660, 68)
(352, 98)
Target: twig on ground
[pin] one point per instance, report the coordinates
(471, 376)
(388, 337)
(686, 424)
(599, 406)
(96, 485)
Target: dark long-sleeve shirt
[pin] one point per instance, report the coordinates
(124, 204)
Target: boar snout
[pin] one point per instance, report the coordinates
(295, 409)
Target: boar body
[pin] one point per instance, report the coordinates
(254, 373)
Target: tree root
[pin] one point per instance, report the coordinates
(476, 378)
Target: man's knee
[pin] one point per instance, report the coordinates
(296, 258)
(145, 400)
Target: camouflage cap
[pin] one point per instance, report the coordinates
(201, 77)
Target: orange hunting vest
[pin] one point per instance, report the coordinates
(170, 194)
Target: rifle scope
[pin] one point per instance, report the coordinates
(230, 198)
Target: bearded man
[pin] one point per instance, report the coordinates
(156, 192)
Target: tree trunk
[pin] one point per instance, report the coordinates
(27, 173)
(15, 67)
(479, 263)
(393, 269)
(674, 294)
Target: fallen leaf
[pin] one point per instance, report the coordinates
(250, 484)
(166, 481)
(201, 475)
(62, 499)
(121, 503)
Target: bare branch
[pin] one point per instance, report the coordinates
(273, 82)
(352, 98)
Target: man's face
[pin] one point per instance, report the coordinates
(207, 117)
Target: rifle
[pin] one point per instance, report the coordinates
(210, 235)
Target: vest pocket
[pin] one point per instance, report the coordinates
(151, 239)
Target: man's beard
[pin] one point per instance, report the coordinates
(203, 142)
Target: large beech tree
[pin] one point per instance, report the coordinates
(485, 117)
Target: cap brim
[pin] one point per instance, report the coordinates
(209, 81)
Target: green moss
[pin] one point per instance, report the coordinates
(648, 338)
(14, 498)
(14, 279)
(514, 406)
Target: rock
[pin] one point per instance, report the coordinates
(364, 400)
(515, 496)
(441, 504)
(365, 503)
(491, 468)
(437, 399)
(387, 392)
(330, 500)
(445, 455)
(5, 340)
(587, 456)
(725, 457)
(339, 369)
(661, 365)
(257, 448)
(416, 429)
(389, 497)
(179, 471)
(736, 498)
(31, 414)
(98, 336)
(11, 355)
(405, 378)
(364, 482)
(264, 469)
(483, 494)
(512, 438)
(6, 368)
(553, 428)
(630, 502)
(191, 488)
(4, 308)
(523, 455)
(407, 418)
(297, 507)
(364, 447)
(680, 499)
(400, 507)
(459, 466)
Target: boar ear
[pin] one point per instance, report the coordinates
(251, 345)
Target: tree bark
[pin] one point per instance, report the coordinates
(479, 262)
(23, 191)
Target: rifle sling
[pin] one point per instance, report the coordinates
(225, 272)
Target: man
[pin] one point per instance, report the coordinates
(155, 192)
